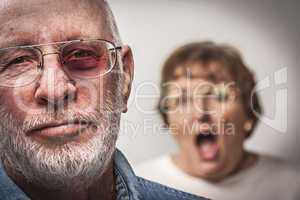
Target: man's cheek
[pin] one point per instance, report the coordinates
(23, 100)
(8, 106)
(20, 99)
(88, 96)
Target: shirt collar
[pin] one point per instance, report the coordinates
(8, 189)
(125, 178)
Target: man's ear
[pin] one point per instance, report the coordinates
(128, 72)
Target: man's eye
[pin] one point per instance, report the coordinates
(18, 60)
(82, 54)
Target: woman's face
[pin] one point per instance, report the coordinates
(207, 117)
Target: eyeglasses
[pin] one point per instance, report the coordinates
(215, 96)
(83, 59)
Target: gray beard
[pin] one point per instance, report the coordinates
(56, 167)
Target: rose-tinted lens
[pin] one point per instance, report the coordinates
(88, 58)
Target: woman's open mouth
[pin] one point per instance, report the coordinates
(207, 146)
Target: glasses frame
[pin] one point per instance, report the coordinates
(63, 44)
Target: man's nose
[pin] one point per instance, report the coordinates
(54, 88)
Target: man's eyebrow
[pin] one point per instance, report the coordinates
(16, 42)
(26, 42)
(75, 37)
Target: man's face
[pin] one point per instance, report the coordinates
(206, 115)
(58, 127)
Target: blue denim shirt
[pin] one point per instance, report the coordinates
(128, 185)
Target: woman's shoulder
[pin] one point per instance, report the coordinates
(279, 168)
(277, 163)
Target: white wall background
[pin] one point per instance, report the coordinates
(267, 33)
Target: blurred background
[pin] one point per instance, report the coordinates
(266, 32)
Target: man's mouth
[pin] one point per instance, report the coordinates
(59, 131)
(207, 146)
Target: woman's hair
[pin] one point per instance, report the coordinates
(207, 52)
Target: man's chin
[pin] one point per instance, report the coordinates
(56, 167)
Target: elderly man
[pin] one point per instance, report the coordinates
(64, 81)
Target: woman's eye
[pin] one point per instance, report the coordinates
(221, 94)
(174, 102)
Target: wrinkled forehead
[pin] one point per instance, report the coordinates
(43, 21)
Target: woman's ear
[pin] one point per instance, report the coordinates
(128, 72)
(248, 126)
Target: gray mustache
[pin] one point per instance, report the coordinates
(39, 120)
